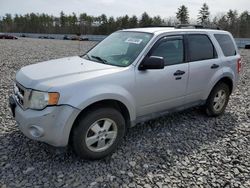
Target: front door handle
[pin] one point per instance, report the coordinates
(179, 73)
(214, 66)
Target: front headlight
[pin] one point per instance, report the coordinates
(39, 100)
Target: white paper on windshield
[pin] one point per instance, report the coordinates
(133, 40)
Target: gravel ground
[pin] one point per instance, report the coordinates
(185, 149)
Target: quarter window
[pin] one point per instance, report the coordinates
(226, 44)
(200, 48)
(171, 50)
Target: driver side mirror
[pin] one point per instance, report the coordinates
(152, 62)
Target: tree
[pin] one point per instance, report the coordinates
(182, 15)
(145, 20)
(103, 28)
(221, 22)
(233, 22)
(203, 17)
(112, 25)
(17, 23)
(244, 24)
(7, 22)
(125, 22)
(62, 19)
(73, 24)
(232, 16)
(171, 21)
(157, 21)
(133, 22)
(238, 24)
(86, 23)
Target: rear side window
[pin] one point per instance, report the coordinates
(226, 44)
(200, 48)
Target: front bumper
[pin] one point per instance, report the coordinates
(51, 125)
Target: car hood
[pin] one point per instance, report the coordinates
(32, 76)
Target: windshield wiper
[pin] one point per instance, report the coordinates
(100, 59)
(85, 55)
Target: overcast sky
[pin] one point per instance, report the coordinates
(164, 8)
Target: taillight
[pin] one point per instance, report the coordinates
(239, 65)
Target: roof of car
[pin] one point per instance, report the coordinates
(160, 30)
(150, 29)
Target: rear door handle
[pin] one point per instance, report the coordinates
(179, 73)
(214, 66)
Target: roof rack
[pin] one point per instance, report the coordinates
(193, 26)
(159, 26)
(186, 26)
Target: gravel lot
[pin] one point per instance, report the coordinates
(185, 149)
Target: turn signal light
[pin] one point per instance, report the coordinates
(53, 98)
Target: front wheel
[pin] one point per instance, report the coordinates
(98, 133)
(217, 100)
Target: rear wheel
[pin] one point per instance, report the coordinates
(217, 100)
(98, 133)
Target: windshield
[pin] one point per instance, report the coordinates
(120, 48)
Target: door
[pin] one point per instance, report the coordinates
(203, 64)
(163, 89)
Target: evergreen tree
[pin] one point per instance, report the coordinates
(244, 24)
(73, 24)
(157, 21)
(145, 20)
(233, 23)
(112, 25)
(125, 22)
(182, 14)
(237, 24)
(63, 21)
(203, 17)
(103, 28)
(221, 22)
(133, 22)
(7, 23)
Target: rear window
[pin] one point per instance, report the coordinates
(226, 44)
(200, 48)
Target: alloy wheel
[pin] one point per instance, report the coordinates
(101, 135)
(219, 100)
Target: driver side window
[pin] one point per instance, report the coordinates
(171, 50)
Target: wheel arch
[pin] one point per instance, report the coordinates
(113, 103)
(227, 80)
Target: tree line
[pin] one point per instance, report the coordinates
(237, 23)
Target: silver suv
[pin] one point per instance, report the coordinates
(132, 76)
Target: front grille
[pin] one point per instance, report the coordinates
(21, 94)
(21, 90)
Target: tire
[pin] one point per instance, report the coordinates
(102, 126)
(220, 96)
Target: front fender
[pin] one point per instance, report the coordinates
(107, 92)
